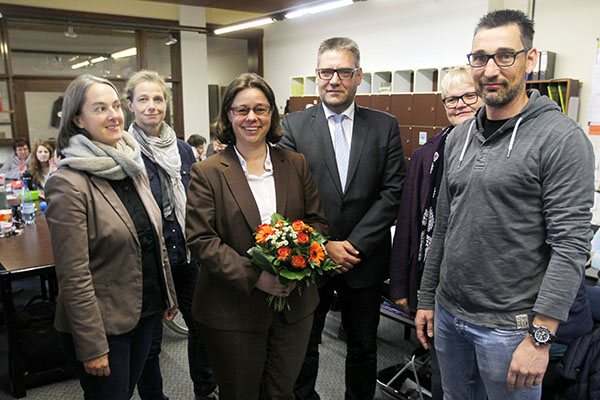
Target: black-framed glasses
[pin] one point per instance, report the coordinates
(343, 73)
(243, 111)
(502, 58)
(467, 98)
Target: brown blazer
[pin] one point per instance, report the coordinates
(221, 217)
(98, 258)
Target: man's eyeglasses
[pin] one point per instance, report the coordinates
(243, 111)
(467, 98)
(502, 58)
(343, 73)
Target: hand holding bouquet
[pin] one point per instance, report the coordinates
(292, 252)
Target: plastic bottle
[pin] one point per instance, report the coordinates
(3, 200)
(27, 205)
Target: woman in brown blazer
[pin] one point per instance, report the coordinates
(113, 272)
(255, 351)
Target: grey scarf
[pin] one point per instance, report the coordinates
(113, 163)
(163, 151)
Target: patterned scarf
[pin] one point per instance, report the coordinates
(435, 180)
(163, 151)
(108, 162)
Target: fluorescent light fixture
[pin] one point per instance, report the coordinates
(132, 51)
(244, 25)
(97, 59)
(80, 65)
(318, 8)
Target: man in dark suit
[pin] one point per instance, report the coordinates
(355, 156)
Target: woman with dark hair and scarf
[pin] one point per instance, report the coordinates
(111, 261)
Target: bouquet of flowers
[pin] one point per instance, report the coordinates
(292, 251)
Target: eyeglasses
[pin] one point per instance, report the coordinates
(243, 111)
(467, 98)
(343, 73)
(502, 58)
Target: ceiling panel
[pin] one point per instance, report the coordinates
(261, 6)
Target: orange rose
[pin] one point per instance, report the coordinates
(264, 231)
(298, 261)
(316, 253)
(303, 238)
(298, 225)
(283, 253)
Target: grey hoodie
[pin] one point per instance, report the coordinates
(513, 232)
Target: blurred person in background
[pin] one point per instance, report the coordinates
(41, 165)
(17, 163)
(198, 144)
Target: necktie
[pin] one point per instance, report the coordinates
(342, 150)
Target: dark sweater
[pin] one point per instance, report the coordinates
(152, 298)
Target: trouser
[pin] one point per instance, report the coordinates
(474, 360)
(150, 385)
(258, 365)
(360, 318)
(126, 357)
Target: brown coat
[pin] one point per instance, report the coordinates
(98, 258)
(221, 217)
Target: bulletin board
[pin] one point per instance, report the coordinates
(594, 111)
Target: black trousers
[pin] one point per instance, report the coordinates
(360, 318)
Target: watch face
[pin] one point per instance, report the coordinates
(542, 335)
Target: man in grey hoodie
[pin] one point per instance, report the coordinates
(513, 226)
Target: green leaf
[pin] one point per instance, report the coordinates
(294, 275)
(264, 261)
(276, 217)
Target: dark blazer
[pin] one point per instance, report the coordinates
(99, 259)
(221, 217)
(364, 213)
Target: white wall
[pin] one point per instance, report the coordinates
(570, 29)
(194, 73)
(391, 34)
(227, 58)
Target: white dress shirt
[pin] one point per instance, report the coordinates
(262, 187)
(347, 123)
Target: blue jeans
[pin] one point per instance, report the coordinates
(150, 386)
(126, 357)
(474, 360)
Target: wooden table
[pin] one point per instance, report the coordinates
(25, 255)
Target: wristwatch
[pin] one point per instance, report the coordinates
(541, 335)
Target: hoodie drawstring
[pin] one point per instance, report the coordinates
(510, 144)
(512, 137)
(462, 153)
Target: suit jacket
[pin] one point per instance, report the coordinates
(99, 259)
(221, 217)
(365, 211)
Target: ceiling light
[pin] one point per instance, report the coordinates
(80, 65)
(318, 8)
(244, 25)
(70, 33)
(171, 40)
(132, 51)
(97, 59)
